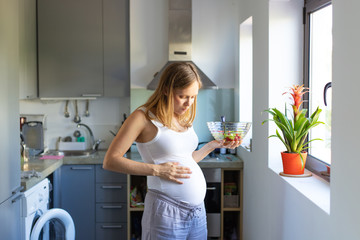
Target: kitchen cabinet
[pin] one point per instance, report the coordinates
(116, 33)
(231, 203)
(83, 48)
(27, 50)
(111, 208)
(137, 187)
(74, 191)
(95, 198)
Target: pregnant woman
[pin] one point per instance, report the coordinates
(162, 129)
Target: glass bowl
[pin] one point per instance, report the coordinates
(230, 131)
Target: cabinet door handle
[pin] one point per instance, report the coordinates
(15, 191)
(112, 207)
(211, 188)
(81, 168)
(91, 95)
(111, 226)
(111, 187)
(16, 198)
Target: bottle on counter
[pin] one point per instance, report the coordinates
(222, 150)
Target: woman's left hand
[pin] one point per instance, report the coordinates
(225, 144)
(210, 146)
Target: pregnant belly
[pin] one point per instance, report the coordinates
(193, 189)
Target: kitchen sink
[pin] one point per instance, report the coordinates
(77, 153)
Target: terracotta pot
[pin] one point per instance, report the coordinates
(328, 169)
(292, 163)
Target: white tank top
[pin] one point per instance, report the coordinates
(171, 146)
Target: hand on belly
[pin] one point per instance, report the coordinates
(172, 171)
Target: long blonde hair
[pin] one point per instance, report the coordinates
(178, 75)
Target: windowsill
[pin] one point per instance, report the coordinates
(314, 188)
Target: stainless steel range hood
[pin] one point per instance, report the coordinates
(180, 17)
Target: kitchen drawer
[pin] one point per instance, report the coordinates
(111, 192)
(111, 231)
(111, 212)
(106, 176)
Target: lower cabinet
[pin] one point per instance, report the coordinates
(111, 207)
(231, 203)
(137, 188)
(74, 192)
(96, 200)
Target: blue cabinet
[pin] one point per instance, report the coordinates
(95, 198)
(74, 191)
(111, 204)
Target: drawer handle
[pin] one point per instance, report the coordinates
(112, 187)
(91, 95)
(81, 168)
(111, 226)
(211, 188)
(112, 207)
(17, 190)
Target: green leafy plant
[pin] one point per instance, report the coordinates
(294, 130)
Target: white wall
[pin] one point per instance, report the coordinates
(148, 39)
(214, 39)
(273, 209)
(345, 196)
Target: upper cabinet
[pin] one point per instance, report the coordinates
(83, 48)
(27, 49)
(116, 37)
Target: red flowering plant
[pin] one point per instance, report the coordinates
(295, 129)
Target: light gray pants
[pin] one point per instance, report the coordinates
(167, 219)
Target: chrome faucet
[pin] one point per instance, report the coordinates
(94, 144)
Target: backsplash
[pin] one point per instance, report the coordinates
(105, 114)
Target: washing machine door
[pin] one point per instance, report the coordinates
(54, 215)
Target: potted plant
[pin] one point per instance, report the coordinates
(294, 131)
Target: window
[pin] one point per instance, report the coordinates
(318, 75)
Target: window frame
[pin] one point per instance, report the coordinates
(313, 164)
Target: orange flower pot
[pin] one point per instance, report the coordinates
(328, 169)
(292, 163)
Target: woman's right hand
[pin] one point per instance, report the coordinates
(172, 171)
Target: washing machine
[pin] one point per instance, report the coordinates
(40, 222)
